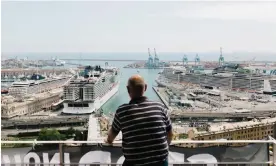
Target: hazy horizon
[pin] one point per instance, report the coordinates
(204, 56)
(90, 26)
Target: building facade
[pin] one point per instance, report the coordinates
(12, 107)
(250, 130)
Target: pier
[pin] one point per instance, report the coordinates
(93, 128)
(161, 97)
(226, 113)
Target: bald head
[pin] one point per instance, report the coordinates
(136, 86)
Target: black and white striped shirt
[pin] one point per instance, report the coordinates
(144, 125)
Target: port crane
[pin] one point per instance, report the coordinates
(185, 60)
(221, 58)
(197, 60)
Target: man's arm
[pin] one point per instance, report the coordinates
(170, 136)
(168, 126)
(114, 130)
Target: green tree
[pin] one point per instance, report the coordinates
(70, 132)
(80, 136)
(50, 135)
(183, 136)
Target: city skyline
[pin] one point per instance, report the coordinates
(135, 26)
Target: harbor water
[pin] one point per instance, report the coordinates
(122, 96)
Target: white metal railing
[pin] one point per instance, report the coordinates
(102, 142)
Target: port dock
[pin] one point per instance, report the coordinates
(197, 108)
(93, 128)
(161, 97)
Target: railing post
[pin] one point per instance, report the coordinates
(61, 156)
(274, 153)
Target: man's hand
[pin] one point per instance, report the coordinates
(170, 136)
(111, 136)
(108, 141)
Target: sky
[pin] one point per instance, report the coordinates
(135, 26)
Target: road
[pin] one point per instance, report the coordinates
(209, 114)
(58, 120)
(15, 132)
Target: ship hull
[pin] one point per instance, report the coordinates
(93, 107)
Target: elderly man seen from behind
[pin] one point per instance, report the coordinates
(145, 125)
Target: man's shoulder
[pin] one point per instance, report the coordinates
(145, 103)
(123, 107)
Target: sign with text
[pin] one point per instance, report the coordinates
(90, 154)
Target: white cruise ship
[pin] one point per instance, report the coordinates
(90, 91)
(23, 88)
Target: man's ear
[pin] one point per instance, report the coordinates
(146, 86)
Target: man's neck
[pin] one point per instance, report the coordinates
(138, 99)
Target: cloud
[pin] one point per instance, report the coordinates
(259, 11)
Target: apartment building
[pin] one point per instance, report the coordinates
(255, 129)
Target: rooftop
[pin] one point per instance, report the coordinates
(30, 99)
(220, 127)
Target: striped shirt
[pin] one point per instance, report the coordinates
(144, 125)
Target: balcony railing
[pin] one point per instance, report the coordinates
(62, 159)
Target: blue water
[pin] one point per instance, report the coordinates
(122, 96)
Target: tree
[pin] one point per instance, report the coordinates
(70, 132)
(79, 136)
(50, 135)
